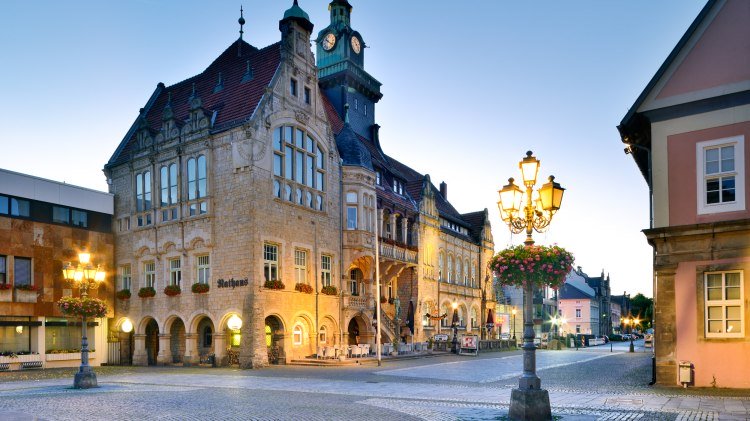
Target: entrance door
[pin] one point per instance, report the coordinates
(152, 341)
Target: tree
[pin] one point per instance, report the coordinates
(643, 308)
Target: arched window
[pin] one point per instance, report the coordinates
(297, 335)
(474, 318)
(474, 274)
(466, 272)
(441, 262)
(355, 278)
(323, 334)
(298, 158)
(448, 315)
(197, 186)
(458, 270)
(450, 269)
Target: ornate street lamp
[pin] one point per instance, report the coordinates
(630, 321)
(454, 325)
(526, 213)
(86, 276)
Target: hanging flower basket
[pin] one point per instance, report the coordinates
(86, 307)
(199, 288)
(542, 265)
(123, 294)
(329, 290)
(26, 287)
(146, 292)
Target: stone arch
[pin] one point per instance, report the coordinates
(197, 317)
(222, 325)
(332, 330)
(168, 247)
(151, 333)
(177, 344)
(141, 326)
(197, 243)
(171, 318)
(274, 335)
(142, 251)
(357, 327)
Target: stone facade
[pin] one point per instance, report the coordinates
(283, 229)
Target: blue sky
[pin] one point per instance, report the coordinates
(468, 88)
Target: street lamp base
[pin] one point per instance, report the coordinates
(529, 404)
(85, 379)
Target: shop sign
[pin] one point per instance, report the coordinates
(232, 283)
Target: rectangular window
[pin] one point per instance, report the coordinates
(293, 87)
(724, 305)
(204, 269)
(80, 218)
(351, 217)
(20, 207)
(60, 214)
(578, 313)
(125, 277)
(271, 262)
(149, 274)
(143, 191)
(3, 270)
(307, 96)
(277, 164)
(21, 271)
(175, 272)
(721, 168)
(325, 270)
(4, 205)
(300, 266)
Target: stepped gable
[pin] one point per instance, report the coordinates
(228, 107)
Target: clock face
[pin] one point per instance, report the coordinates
(329, 41)
(356, 45)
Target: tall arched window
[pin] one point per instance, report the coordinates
(441, 267)
(323, 334)
(446, 321)
(466, 272)
(450, 269)
(300, 161)
(458, 270)
(197, 185)
(474, 318)
(297, 335)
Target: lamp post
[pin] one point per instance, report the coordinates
(529, 401)
(86, 276)
(514, 323)
(630, 321)
(454, 325)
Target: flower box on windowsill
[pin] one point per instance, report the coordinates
(26, 296)
(69, 356)
(21, 358)
(6, 295)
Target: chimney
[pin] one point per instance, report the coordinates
(444, 190)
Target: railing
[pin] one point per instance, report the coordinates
(460, 290)
(358, 302)
(394, 252)
(358, 238)
(365, 77)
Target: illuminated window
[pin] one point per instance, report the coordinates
(325, 270)
(125, 277)
(300, 266)
(297, 335)
(271, 262)
(724, 305)
(204, 269)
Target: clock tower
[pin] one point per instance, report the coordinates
(341, 74)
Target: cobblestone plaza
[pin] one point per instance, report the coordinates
(589, 384)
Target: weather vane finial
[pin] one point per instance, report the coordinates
(241, 21)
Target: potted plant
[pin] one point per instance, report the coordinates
(383, 300)
(391, 300)
(273, 284)
(147, 292)
(26, 287)
(123, 294)
(307, 289)
(430, 344)
(172, 290)
(26, 293)
(329, 290)
(395, 346)
(199, 288)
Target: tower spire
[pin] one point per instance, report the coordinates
(241, 21)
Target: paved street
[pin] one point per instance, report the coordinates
(588, 384)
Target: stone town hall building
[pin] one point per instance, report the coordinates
(262, 178)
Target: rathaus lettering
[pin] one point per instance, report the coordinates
(232, 283)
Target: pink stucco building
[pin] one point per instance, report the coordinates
(687, 134)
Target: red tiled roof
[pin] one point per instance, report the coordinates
(233, 104)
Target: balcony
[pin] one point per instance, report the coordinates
(390, 249)
(463, 290)
(358, 302)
